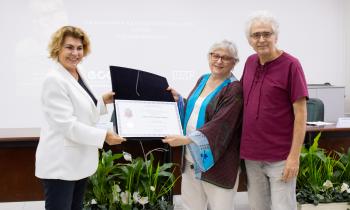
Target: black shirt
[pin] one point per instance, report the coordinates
(80, 81)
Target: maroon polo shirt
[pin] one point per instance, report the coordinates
(269, 92)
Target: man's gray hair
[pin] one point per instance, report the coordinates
(262, 17)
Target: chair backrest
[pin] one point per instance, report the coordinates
(315, 110)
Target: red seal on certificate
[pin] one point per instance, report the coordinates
(128, 113)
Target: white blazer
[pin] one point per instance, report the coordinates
(69, 140)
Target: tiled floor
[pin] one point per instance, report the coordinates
(32, 205)
(241, 203)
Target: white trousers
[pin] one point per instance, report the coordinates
(266, 190)
(201, 195)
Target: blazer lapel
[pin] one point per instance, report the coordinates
(75, 83)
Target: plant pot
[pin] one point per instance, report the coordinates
(325, 206)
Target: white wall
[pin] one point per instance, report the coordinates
(166, 37)
(347, 56)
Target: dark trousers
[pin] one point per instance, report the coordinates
(64, 195)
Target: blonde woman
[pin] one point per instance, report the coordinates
(68, 147)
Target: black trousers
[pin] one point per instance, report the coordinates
(64, 195)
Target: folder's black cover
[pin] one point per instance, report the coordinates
(133, 84)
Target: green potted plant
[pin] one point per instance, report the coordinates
(139, 183)
(324, 178)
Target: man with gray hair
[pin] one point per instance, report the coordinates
(274, 117)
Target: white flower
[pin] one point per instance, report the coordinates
(143, 200)
(344, 187)
(127, 156)
(116, 188)
(93, 201)
(152, 188)
(136, 196)
(115, 192)
(125, 197)
(328, 184)
(139, 199)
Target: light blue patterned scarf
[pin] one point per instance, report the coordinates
(192, 100)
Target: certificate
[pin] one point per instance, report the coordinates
(147, 118)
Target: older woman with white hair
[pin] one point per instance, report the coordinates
(212, 128)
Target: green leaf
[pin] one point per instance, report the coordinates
(136, 176)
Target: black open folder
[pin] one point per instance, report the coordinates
(133, 84)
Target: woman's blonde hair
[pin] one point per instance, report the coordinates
(58, 37)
